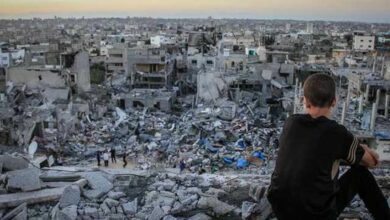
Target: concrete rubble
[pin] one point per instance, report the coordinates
(194, 107)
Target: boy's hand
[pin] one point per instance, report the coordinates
(372, 153)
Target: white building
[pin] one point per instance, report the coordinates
(309, 28)
(365, 43)
(5, 59)
(158, 40)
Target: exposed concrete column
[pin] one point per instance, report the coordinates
(343, 113)
(296, 96)
(377, 97)
(387, 106)
(383, 66)
(373, 116)
(374, 65)
(361, 100)
(367, 92)
(348, 94)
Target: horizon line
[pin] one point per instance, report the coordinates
(49, 17)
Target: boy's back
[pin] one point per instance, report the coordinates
(304, 181)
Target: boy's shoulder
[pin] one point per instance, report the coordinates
(307, 119)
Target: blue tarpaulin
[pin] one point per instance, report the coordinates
(242, 163)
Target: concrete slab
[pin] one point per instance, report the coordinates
(24, 180)
(15, 212)
(15, 199)
(11, 163)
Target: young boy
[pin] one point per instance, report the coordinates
(305, 182)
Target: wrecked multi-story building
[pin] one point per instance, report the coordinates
(151, 67)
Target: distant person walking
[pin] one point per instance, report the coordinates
(182, 166)
(105, 158)
(124, 159)
(113, 155)
(98, 155)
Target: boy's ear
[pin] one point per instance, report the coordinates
(306, 103)
(334, 102)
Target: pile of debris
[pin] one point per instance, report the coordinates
(81, 193)
(70, 193)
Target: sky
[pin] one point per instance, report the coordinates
(338, 10)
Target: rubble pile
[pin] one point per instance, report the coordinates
(80, 193)
(199, 137)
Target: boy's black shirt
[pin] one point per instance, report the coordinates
(304, 183)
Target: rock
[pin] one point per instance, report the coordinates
(169, 217)
(25, 180)
(219, 207)
(116, 217)
(200, 216)
(97, 181)
(11, 163)
(265, 209)
(248, 208)
(116, 195)
(16, 212)
(111, 202)
(106, 210)
(68, 213)
(190, 200)
(215, 192)
(165, 201)
(130, 208)
(91, 211)
(93, 194)
(71, 196)
(157, 214)
(257, 192)
(166, 185)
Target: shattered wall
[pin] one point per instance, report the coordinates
(82, 69)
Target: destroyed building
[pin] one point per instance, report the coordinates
(212, 94)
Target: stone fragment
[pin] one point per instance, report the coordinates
(248, 208)
(16, 211)
(200, 216)
(25, 180)
(71, 196)
(11, 163)
(68, 213)
(116, 195)
(111, 202)
(218, 207)
(157, 214)
(130, 208)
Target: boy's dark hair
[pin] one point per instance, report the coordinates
(320, 90)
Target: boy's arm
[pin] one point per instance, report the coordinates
(370, 158)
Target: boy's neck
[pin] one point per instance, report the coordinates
(316, 112)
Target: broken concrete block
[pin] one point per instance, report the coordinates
(11, 163)
(111, 202)
(97, 181)
(157, 214)
(46, 195)
(68, 213)
(24, 180)
(91, 211)
(16, 212)
(169, 217)
(200, 216)
(248, 208)
(219, 207)
(257, 192)
(116, 195)
(71, 196)
(130, 208)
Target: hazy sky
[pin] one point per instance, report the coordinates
(353, 10)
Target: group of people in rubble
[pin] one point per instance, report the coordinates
(106, 155)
